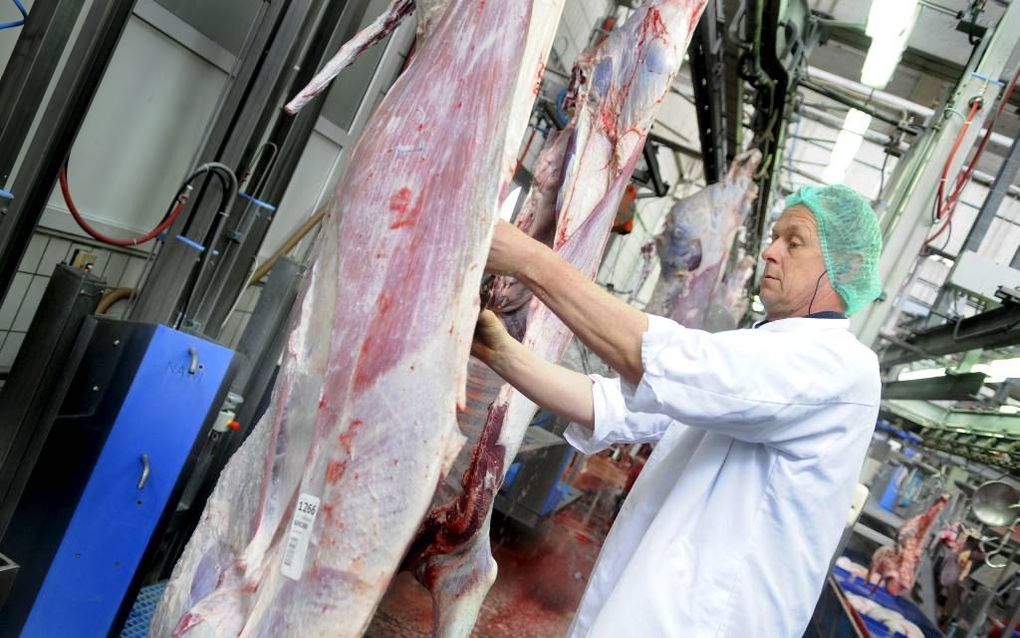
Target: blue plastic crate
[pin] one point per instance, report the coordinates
(137, 625)
(910, 611)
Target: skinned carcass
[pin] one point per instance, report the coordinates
(895, 567)
(312, 516)
(579, 179)
(730, 300)
(695, 243)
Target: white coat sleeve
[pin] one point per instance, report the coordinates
(613, 422)
(753, 385)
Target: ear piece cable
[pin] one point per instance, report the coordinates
(817, 283)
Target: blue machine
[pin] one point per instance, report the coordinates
(108, 477)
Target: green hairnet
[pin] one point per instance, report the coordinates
(851, 241)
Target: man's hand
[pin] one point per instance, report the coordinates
(491, 338)
(602, 322)
(565, 392)
(510, 250)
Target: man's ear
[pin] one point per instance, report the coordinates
(853, 263)
(835, 293)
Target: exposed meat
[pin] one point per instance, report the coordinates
(616, 89)
(695, 244)
(679, 249)
(312, 516)
(370, 35)
(896, 567)
(730, 299)
(892, 619)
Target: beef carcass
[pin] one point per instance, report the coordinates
(730, 300)
(695, 243)
(312, 516)
(895, 568)
(579, 178)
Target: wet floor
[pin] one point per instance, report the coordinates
(542, 572)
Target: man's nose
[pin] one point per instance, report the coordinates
(770, 253)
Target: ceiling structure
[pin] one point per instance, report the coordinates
(930, 67)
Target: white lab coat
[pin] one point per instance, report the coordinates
(730, 527)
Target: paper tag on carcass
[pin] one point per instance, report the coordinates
(299, 535)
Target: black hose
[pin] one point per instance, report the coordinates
(228, 195)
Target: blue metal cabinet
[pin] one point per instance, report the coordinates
(174, 383)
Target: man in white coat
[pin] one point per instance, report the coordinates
(761, 432)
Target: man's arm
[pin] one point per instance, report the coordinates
(557, 389)
(607, 325)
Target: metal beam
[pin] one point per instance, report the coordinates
(42, 370)
(734, 89)
(957, 387)
(836, 96)
(706, 61)
(990, 423)
(676, 147)
(919, 412)
(27, 76)
(923, 413)
(993, 329)
(234, 138)
(907, 223)
(338, 24)
(68, 104)
(993, 200)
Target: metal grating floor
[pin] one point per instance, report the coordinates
(137, 625)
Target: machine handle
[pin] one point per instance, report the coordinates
(194, 360)
(145, 471)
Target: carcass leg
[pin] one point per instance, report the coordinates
(459, 583)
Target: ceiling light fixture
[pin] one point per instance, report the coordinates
(848, 142)
(889, 27)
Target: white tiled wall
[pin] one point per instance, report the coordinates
(119, 268)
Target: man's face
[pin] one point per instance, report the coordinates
(793, 265)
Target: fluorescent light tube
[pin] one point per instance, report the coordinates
(848, 142)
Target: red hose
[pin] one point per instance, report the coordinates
(964, 178)
(106, 239)
(940, 195)
(948, 208)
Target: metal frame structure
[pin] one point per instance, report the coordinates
(993, 201)
(993, 329)
(958, 387)
(707, 53)
(240, 245)
(68, 104)
(43, 38)
(770, 57)
(233, 140)
(51, 349)
(908, 222)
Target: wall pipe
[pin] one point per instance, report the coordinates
(888, 99)
(981, 177)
